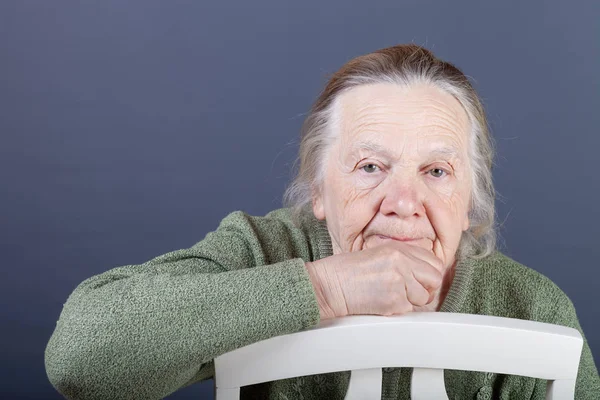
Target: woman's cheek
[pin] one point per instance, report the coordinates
(442, 219)
(354, 214)
(366, 182)
(445, 188)
(448, 198)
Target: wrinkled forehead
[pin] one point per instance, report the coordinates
(386, 114)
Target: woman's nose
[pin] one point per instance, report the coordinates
(402, 198)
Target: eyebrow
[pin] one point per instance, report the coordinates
(443, 152)
(372, 147)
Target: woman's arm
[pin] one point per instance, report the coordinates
(144, 331)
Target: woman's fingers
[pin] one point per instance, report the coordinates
(427, 256)
(416, 293)
(427, 275)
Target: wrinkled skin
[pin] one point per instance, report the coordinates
(397, 174)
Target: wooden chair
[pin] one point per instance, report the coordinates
(427, 342)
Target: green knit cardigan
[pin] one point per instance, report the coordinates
(144, 331)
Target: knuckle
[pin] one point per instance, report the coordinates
(422, 298)
(393, 253)
(418, 295)
(438, 264)
(397, 279)
(437, 278)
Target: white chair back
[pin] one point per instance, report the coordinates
(427, 342)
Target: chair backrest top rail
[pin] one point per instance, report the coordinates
(444, 318)
(418, 340)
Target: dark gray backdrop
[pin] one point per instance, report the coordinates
(129, 129)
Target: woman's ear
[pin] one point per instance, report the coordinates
(318, 205)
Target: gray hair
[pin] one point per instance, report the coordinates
(403, 65)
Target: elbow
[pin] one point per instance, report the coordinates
(82, 360)
(86, 372)
(70, 369)
(89, 362)
(83, 363)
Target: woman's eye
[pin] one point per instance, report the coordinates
(370, 168)
(437, 172)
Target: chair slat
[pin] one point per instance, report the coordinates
(427, 384)
(365, 384)
(563, 389)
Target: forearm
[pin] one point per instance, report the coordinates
(138, 335)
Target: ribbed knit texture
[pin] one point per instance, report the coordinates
(144, 331)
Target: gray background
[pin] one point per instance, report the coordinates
(129, 129)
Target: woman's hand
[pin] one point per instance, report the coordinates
(389, 279)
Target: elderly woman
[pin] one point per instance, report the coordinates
(392, 211)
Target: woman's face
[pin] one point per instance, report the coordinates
(397, 170)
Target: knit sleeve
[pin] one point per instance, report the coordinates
(144, 331)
